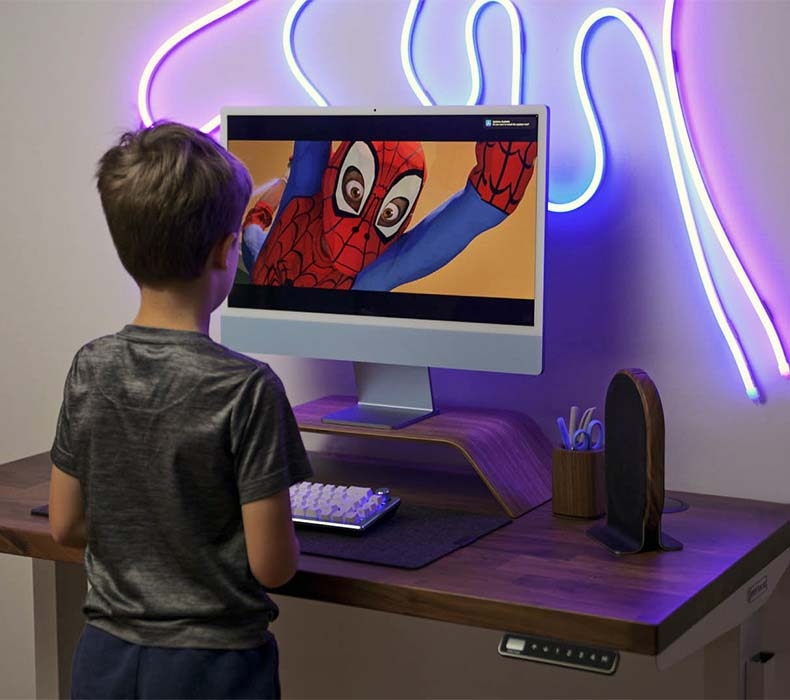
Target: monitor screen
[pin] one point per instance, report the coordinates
(411, 236)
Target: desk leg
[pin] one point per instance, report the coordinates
(736, 668)
(748, 646)
(45, 620)
(721, 676)
(756, 680)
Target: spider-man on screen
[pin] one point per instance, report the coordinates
(342, 221)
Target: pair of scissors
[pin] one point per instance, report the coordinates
(577, 434)
(589, 436)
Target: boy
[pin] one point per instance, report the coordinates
(173, 455)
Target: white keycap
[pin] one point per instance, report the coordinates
(336, 504)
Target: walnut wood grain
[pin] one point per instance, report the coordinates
(508, 450)
(542, 575)
(539, 575)
(634, 471)
(577, 483)
(24, 484)
(441, 485)
(654, 424)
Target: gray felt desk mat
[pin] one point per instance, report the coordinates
(413, 537)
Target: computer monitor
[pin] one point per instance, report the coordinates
(399, 239)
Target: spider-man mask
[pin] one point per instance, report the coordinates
(369, 191)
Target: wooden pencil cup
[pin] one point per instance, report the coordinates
(577, 483)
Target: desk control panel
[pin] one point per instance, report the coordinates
(559, 653)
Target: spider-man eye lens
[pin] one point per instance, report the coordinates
(393, 212)
(355, 179)
(353, 188)
(397, 205)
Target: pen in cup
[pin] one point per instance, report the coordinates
(565, 436)
(574, 418)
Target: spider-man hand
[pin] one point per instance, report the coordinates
(258, 220)
(503, 171)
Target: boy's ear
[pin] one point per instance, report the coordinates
(221, 251)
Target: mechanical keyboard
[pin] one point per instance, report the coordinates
(340, 508)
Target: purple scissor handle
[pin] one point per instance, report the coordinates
(589, 437)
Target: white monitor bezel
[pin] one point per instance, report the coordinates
(403, 341)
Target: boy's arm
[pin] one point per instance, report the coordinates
(66, 510)
(272, 547)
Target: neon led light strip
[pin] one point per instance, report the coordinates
(472, 52)
(517, 80)
(736, 350)
(290, 53)
(147, 76)
(406, 60)
(668, 113)
(595, 132)
(704, 197)
(590, 115)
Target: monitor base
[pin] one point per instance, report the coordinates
(389, 397)
(383, 417)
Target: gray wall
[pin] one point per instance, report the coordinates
(621, 286)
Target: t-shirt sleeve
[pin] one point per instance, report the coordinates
(62, 454)
(269, 455)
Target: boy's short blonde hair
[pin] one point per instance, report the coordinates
(169, 193)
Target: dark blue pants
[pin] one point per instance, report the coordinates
(105, 666)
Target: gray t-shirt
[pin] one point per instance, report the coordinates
(169, 433)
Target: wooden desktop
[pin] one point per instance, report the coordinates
(540, 575)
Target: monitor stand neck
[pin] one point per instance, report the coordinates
(388, 396)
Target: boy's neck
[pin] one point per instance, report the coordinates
(179, 307)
